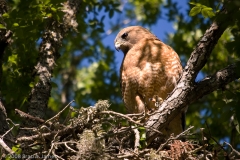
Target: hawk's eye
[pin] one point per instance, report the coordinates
(124, 35)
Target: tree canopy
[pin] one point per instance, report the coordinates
(55, 51)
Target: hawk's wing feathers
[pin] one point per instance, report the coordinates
(149, 68)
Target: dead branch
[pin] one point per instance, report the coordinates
(5, 146)
(234, 154)
(137, 139)
(60, 112)
(184, 133)
(85, 138)
(28, 116)
(130, 120)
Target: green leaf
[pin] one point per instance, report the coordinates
(2, 26)
(199, 4)
(141, 128)
(15, 24)
(46, 1)
(13, 58)
(111, 13)
(143, 137)
(193, 3)
(31, 84)
(195, 10)
(5, 15)
(53, 9)
(23, 101)
(49, 15)
(208, 12)
(8, 157)
(16, 149)
(211, 14)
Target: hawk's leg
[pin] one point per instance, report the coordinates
(140, 105)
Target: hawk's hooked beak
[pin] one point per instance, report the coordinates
(117, 46)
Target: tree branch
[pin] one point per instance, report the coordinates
(187, 91)
(5, 40)
(216, 81)
(48, 54)
(5, 146)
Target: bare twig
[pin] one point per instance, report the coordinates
(209, 132)
(129, 155)
(56, 156)
(28, 116)
(7, 132)
(234, 153)
(135, 114)
(137, 139)
(203, 140)
(174, 138)
(58, 114)
(66, 130)
(130, 120)
(49, 152)
(3, 144)
(52, 147)
(65, 143)
(133, 154)
(198, 149)
(68, 115)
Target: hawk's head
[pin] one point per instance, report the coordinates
(130, 36)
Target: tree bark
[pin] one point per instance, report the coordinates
(5, 38)
(187, 90)
(48, 54)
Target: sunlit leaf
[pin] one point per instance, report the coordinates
(15, 24)
(13, 58)
(49, 15)
(53, 9)
(208, 12)
(2, 26)
(193, 3)
(31, 84)
(17, 149)
(5, 15)
(195, 10)
(143, 136)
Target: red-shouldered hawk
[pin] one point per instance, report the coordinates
(149, 68)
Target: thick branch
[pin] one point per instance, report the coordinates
(216, 81)
(187, 91)
(48, 54)
(5, 39)
(183, 97)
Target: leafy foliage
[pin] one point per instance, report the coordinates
(206, 11)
